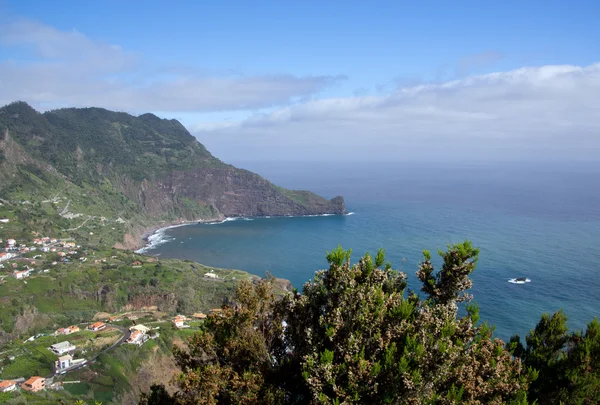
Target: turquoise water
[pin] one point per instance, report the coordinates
(528, 221)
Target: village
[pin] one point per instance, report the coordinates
(69, 356)
(73, 347)
(64, 358)
(20, 259)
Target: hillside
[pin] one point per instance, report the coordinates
(138, 172)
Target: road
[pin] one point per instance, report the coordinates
(126, 334)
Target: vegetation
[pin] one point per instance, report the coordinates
(568, 363)
(71, 293)
(79, 169)
(358, 335)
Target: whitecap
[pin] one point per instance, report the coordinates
(159, 237)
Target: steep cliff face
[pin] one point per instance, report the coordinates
(155, 164)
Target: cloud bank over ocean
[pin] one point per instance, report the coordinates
(529, 113)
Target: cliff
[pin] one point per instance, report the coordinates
(145, 170)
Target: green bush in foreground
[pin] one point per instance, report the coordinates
(356, 335)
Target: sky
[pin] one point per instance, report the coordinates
(324, 81)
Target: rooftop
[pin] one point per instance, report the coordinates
(61, 345)
(6, 383)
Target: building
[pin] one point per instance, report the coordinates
(34, 384)
(63, 362)
(96, 326)
(6, 256)
(61, 348)
(7, 386)
(19, 275)
(178, 321)
(68, 330)
(136, 263)
(199, 315)
(137, 338)
(211, 275)
(11, 242)
(135, 335)
(5, 220)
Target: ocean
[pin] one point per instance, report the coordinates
(539, 221)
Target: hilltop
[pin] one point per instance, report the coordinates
(131, 173)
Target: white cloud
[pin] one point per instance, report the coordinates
(548, 112)
(70, 69)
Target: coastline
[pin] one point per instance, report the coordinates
(145, 240)
(137, 238)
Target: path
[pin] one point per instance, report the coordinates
(66, 209)
(77, 227)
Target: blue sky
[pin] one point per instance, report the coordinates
(269, 74)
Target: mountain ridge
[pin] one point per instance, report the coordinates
(151, 170)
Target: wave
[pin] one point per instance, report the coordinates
(519, 281)
(229, 219)
(159, 237)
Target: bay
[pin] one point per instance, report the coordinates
(538, 221)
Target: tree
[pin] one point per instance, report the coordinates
(567, 364)
(356, 335)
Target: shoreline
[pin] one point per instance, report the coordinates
(142, 239)
(145, 239)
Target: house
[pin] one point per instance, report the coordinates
(19, 275)
(137, 338)
(140, 328)
(114, 318)
(211, 275)
(61, 348)
(136, 263)
(218, 311)
(11, 242)
(96, 326)
(6, 256)
(45, 249)
(178, 321)
(7, 386)
(63, 362)
(199, 315)
(34, 384)
(68, 330)
(5, 220)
